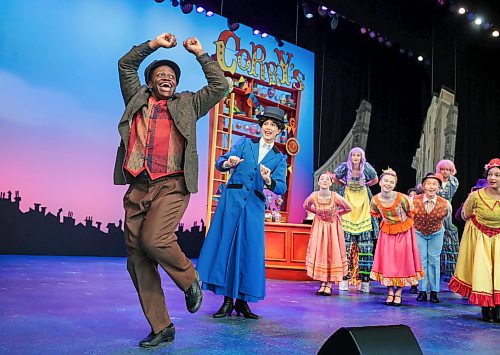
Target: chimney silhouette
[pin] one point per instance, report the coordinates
(88, 221)
(69, 219)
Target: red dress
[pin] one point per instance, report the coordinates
(397, 260)
(326, 258)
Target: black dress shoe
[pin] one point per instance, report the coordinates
(193, 295)
(327, 291)
(321, 290)
(226, 309)
(241, 307)
(487, 314)
(434, 297)
(397, 304)
(389, 303)
(413, 290)
(153, 340)
(422, 296)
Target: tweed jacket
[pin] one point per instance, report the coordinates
(185, 108)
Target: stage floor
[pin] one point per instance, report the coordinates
(54, 305)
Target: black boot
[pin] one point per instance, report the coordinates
(413, 289)
(487, 314)
(434, 297)
(226, 309)
(422, 296)
(242, 307)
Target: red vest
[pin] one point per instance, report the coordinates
(429, 223)
(155, 144)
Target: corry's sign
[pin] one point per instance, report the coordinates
(254, 63)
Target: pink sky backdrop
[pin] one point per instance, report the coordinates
(51, 155)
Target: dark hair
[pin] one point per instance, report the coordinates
(280, 124)
(414, 189)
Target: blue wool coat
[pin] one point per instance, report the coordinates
(232, 260)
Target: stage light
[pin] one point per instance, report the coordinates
(372, 34)
(232, 25)
(186, 6)
(363, 30)
(402, 50)
(264, 35)
(200, 9)
(462, 10)
(323, 11)
(441, 2)
(478, 21)
(486, 25)
(256, 31)
(308, 9)
(380, 40)
(331, 13)
(334, 23)
(388, 44)
(420, 58)
(495, 33)
(209, 13)
(410, 54)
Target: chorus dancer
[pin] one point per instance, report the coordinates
(429, 215)
(360, 229)
(477, 275)
(326, 259)
(397, 261)
(232, 261)
(451, 240)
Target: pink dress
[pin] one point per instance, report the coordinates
(397, 260)
(326, 258)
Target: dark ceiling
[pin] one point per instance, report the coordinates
(417, 25)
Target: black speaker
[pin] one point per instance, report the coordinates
(384, 340)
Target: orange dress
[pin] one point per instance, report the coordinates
(326, 258)
(397, 260)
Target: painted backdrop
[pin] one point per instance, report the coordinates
(60, 100)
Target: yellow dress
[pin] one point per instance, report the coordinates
(477, 274)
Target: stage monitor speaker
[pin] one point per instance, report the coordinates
(383, 340)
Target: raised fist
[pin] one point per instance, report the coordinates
(193, 46)
(165, 40)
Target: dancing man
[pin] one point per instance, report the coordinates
(158, 158)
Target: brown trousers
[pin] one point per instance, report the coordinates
(153, 209)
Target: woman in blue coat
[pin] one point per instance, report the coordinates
(232, 261)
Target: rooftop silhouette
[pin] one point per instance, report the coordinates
(40, 232)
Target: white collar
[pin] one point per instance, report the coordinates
(433, 200)
(263, 144)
